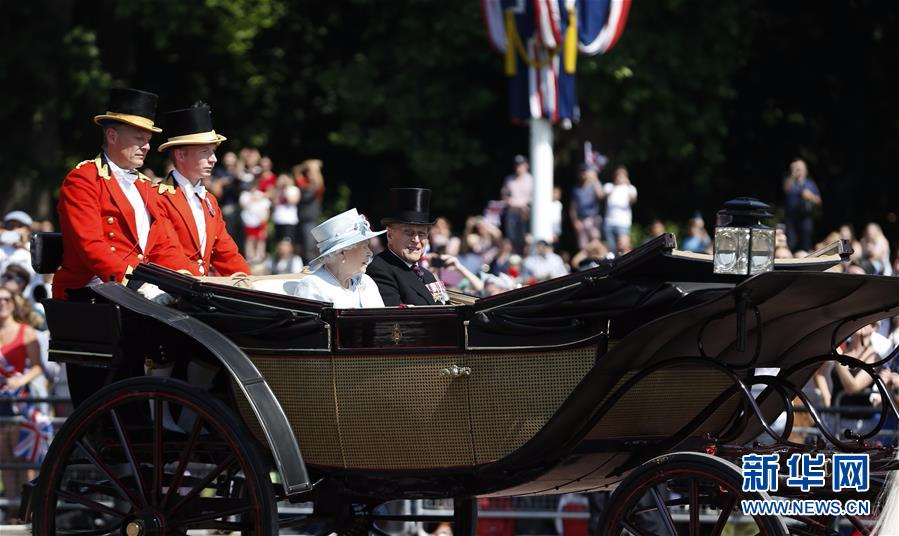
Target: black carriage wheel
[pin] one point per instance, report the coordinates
(153, 456)
(647, 499)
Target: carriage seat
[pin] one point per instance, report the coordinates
(46, 252)
(276, 284)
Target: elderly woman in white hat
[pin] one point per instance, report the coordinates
(339, 272)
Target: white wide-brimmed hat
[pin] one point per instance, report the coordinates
(342, 231)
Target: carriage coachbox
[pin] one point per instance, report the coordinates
(630, 376)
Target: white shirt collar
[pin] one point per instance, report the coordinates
(129, 176)
(188, 185)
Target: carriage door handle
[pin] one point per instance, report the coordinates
(455, 371)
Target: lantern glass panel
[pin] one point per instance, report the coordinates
(731, 250)
(761, 258)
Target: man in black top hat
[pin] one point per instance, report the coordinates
(397, 270)
(108, 210)
(193, 212)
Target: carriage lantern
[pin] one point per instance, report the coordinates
(743, 244)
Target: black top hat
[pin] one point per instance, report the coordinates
(409, 205)
(131, 106)
(190, 126)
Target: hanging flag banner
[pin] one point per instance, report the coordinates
(540, 40)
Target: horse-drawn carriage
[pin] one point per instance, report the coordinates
(638, 376)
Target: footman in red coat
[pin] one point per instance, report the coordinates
(108, 210)
(194, 213)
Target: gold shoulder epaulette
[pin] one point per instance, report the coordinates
(165, 188)
(82, 163)
(142, 177)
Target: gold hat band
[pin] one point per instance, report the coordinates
(134, 120)
(199, 138)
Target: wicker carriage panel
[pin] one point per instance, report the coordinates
(514, 395)
(663, 402)
(399, 411)
(303, 387)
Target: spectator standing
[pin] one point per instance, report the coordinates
(556, 210)
(286, 197)
(503, 259)
(442, 239)
(544, 263)
(517, 192)
(250, 164)
(656, 229)
(620, 196)
(255, 208)
(875, 251)
(14, 240)
(802, 196)
(847, 232)
(267, 177)
(849, 383)
(584, 207)
(19, 366)
(697, 239)
(482, 237)
(226, 185)
(285, 259)
(591, 256)
(311, 182)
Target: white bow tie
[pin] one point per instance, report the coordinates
(200, 191)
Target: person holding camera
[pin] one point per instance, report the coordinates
(802, 198)
(14, 239)
(445, 265)
(584, 207)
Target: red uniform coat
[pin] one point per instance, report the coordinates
(221, 254)
(98, 230)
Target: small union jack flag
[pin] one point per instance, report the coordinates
(36, 432)
(35, 435)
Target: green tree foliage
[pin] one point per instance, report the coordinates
(701, 100)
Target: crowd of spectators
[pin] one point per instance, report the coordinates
(270, 212)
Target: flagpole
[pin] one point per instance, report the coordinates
(542, 171)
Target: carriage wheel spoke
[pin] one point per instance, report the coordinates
(182, 463)
(726, 509)
(93, 505)
(94, 458)
(694, 507)
(88, 532)
(205, 482)
(129, 453)
(191, 521)
(157, 452)
(663, 510)
(633, 529)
